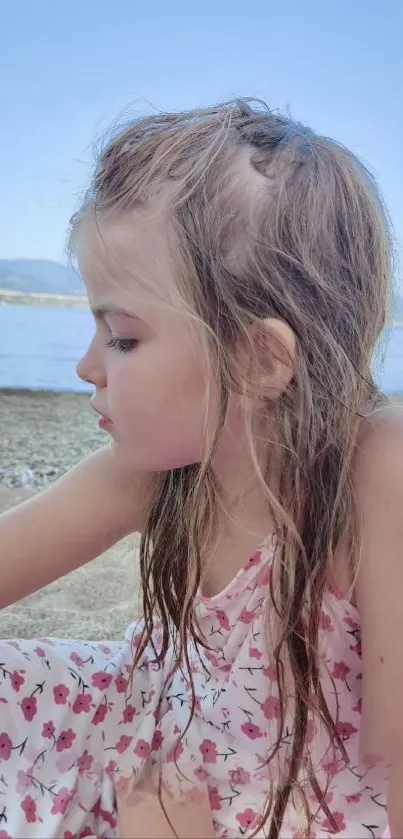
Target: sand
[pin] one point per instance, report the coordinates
(43, 435)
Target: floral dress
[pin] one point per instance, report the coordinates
(75, 730)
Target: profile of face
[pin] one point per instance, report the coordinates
(150, 377)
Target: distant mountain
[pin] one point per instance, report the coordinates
(42, 276)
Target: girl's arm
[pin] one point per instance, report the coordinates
(73, 521)
(379, 492)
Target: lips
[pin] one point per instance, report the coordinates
(103, 418)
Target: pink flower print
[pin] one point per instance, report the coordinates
(358, 707)
(272, 708)
(246, 616)
(5, 746)
(65, 740)
(355, 798)
(60, 694)
(29, 708)
(331, 767)
(351, 622)
(157, 740)
(175, 753)
(111, 769)
(265, 577)
(334, 589)
(100, 714)
(129, 713)
(17, 680)
(209, 751)
(345, 729)
(29, 808)
(337, 824)
(142, 748)
(40, 652)
(24, 782)
(356, 648)
(123, 743)
(201, 773)
(82, 703)
(4, 835)
(253, 560)
(247, 818)
(77, 660)
(84, 762)
(101, 680)
(340, 670)
(105, 815)
(325, 622)
(48, 730)
(198, 700)
(239, 777)
(61, 801)
(212, 659)
(222, 619)
(254, 652)
(215, 801)
(270, 672)
(251, 730)
(121, 683)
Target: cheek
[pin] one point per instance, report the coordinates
(159, 410)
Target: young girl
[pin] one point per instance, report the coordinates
(238, 267)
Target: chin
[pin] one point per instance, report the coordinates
(140, 461)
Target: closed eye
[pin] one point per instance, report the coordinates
(123, 345)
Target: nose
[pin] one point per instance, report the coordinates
(90, 367)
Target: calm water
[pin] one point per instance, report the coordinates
(40, 347)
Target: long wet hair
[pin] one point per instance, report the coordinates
(267, 219)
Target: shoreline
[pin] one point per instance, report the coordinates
(8, 297)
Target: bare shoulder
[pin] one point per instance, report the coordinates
(378, 481)
(379, 456)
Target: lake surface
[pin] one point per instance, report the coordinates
(40, 347)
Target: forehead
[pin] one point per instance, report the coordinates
(127, 260)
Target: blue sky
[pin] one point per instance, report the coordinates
(68, 69)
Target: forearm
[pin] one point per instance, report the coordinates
(73, 521)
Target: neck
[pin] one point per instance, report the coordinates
(246, 522)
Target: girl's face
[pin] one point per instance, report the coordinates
(148, 371)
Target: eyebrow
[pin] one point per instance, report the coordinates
(109, 309)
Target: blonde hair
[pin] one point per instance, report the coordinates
(269, 220)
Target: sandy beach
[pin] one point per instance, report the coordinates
(43, 435)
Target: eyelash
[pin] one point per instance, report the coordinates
(123, 345)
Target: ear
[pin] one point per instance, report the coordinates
(275, 350)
